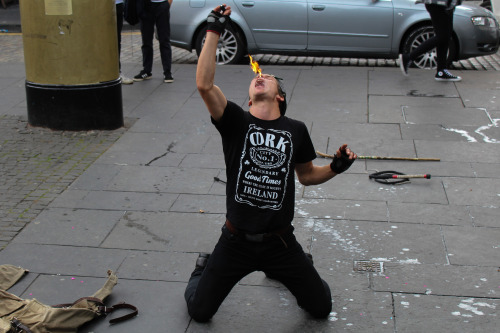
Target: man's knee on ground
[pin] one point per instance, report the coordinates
(321, 311)
(199, 315)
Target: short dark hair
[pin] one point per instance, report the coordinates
(282, 93)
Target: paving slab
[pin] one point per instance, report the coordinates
(485, 216)
(73, 227)
(313, 85)
(327, 111)
(207, 160)
(352, 132)
(190, 203)
(361, 240)
(65, 260)
(443, 280)
(472, 191)
(472, 246)
(157, 266)
(355, 188)
(445, 313)
(422, 213)
(458, 151)
(357, 210)
(121, 157)
(96, 177)
(111, 200)
(183, 232)
(479, 90)
(160, 142)
(163, 179)
(439, 132)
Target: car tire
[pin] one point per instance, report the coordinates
(230, 49)
(427, 60)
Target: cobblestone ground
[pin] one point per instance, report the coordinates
(36, 165)
(12, 50)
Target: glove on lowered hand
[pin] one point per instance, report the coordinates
(342, 163)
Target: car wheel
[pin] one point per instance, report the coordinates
(427, 60)
(230, 49)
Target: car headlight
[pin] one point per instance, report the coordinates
(484, 21)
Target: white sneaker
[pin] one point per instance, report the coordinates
(126, 80)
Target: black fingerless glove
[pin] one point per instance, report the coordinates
(216, 22)
(342, 163)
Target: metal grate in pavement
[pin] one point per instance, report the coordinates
(371, 266)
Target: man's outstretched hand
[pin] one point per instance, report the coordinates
(343, 159)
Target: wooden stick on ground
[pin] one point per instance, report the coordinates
(385, 158)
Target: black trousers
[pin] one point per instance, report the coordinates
(156, 14)
(233, 258)
(442, 21)
(119, 27)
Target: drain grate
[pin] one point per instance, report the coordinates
(364, 266)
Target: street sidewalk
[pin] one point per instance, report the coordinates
(142, 201)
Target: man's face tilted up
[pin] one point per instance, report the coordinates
(263, 87)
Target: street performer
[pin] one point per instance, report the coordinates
(262, 149)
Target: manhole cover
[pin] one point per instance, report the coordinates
(368, 266)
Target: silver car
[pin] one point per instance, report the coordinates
(340, 28)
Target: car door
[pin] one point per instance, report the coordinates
(350, 25)
(276, 24)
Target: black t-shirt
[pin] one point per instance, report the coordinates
(260, 158)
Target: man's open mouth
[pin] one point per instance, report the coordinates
(259, 83)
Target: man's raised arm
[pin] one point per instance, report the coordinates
(205, 72)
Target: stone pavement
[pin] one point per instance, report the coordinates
(143, 202)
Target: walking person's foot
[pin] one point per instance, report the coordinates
(143, 75)
(167, 78)
(444, 75)
(126, 80)
(404, 63)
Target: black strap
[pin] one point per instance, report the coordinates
(18, 327)
(122, 305)
(103, 310)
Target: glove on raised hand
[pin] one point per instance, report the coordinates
(342, 163)
(216, 22)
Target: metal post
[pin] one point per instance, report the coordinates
(72, 66)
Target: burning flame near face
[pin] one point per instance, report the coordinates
(255, 66)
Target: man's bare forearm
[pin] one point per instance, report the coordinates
(205, 71)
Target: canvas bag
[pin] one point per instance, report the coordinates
(31, 316)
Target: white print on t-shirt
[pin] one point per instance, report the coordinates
(264, 167)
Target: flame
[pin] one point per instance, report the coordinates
(255, 66)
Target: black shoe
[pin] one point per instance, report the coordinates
(444, 75)
(168, 78)
(404, 63)
(143, 75)
(202, 260)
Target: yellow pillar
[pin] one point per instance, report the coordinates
(72, 64)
